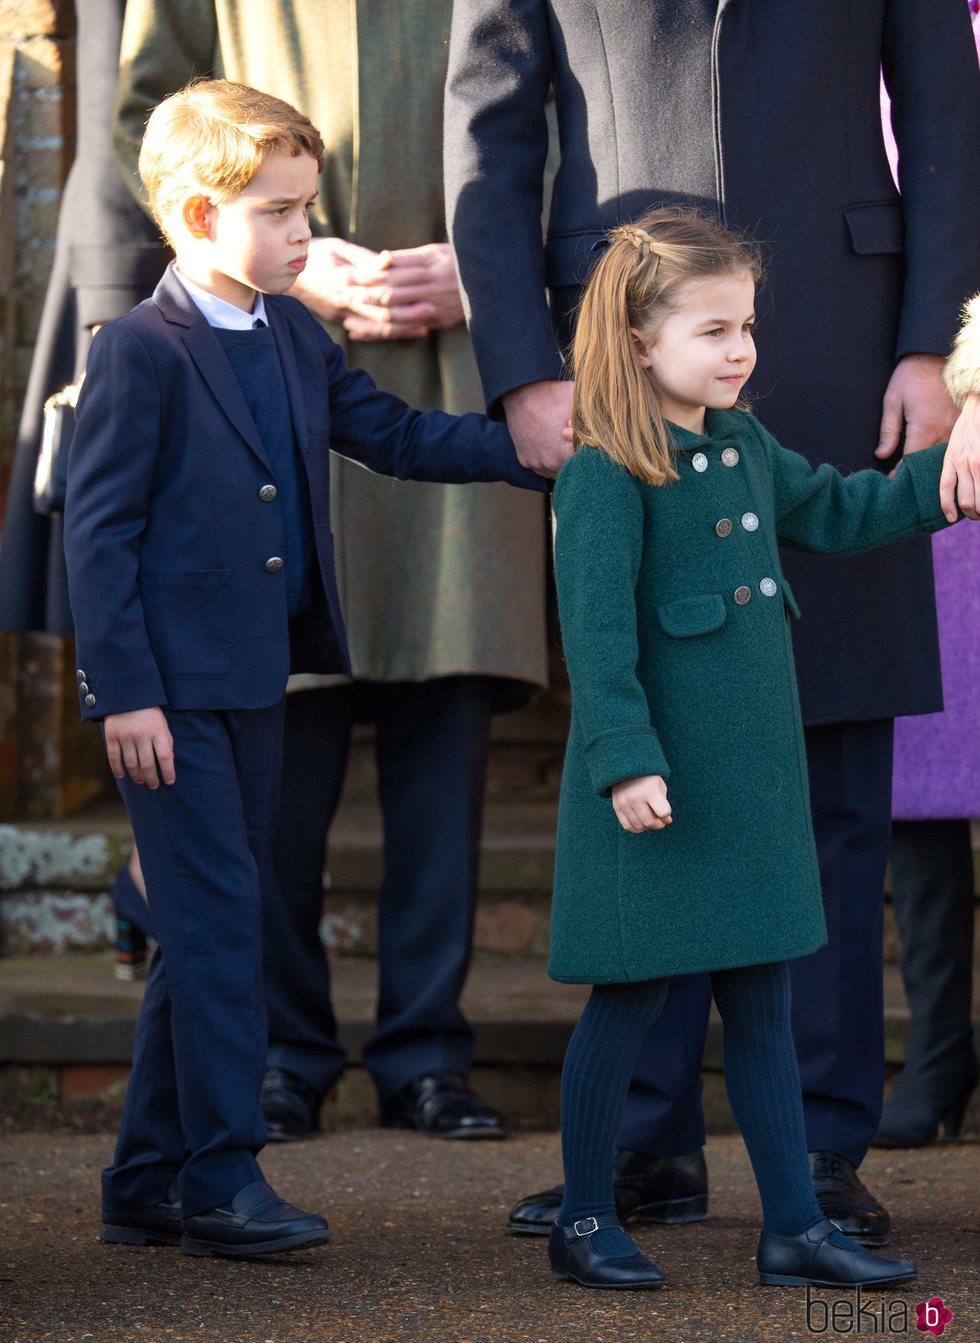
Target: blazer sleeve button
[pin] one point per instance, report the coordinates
(90, 701)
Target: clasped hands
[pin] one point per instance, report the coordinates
(398, 294)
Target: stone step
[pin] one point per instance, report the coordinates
(66, 1027)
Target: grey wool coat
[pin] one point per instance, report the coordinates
(675, 621)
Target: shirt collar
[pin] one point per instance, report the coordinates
(217, 312)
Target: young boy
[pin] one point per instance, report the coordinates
(201, 571)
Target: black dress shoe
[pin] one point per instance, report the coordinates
(256, 1221)
(923, 1103)
(290, 1105)
(573, 1255)
(666, 1189)
(161, 1224)
(441, 1105)
(844, 1199)
(822, 1256)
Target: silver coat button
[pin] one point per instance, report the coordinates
(768, 587)
(80, 675)
(742, 595)
(273, 565)
(699, 462)
(267, 493)
(750, 522)
(83, 687)
(90, 701)
(723, 527)
(730, 456)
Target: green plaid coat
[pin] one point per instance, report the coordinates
(434, 579)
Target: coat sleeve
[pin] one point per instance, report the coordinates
(379, 431)
(495, 141)
(598, 546)
(929, 62)
(820, 510)
(114, 455)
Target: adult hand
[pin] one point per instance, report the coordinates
(917, 399)
(409, 292)
(641, 803)
(138, 741)
(960, 479)
(537, 414)
(325, 286)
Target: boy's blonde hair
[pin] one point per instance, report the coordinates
(636, 283)
(213, 137)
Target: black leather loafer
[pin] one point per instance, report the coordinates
(442, 1105)
(257, 1221)
(573, 1256)
(666, 1189)
(162, 1224)
(290, 1105)
(844, 1199)
(823, 1256)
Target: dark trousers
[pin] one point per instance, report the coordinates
(838, 1022)
(192, 1110)
(431, 742)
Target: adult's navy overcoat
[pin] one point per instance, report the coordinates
(675, 621)
(766, 112)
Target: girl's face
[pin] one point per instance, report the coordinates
(702, 352)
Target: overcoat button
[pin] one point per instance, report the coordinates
(90, 701)
(723, 527)
(80, 675)
(750, 522)
(742, 595)
(267, 493)
(273, 565)
(768, 587)
(699, 462)
(730, 456)
(83, 687)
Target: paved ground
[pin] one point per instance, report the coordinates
(418, 1255)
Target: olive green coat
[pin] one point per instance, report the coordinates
(433, 579)
(675, 622)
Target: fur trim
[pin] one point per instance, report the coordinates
(962, 371)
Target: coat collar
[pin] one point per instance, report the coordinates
(179, 308)
(722, 428)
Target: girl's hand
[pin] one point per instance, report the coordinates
(136, 743)
(641, 803)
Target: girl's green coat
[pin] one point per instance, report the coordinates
(675, 620)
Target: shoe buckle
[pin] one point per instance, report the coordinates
(585, 1226)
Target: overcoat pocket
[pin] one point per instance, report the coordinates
(878, 226)
(189, 620)
(689, 616)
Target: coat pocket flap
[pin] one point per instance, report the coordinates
(790, 601)
(876, 227)
(692, 615)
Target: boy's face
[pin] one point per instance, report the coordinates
(257, 239)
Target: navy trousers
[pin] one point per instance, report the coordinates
(192, 1111)
(431, 743)
(837, 1016)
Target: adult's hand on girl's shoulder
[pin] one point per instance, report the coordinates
(960, 479)
(137, 743)
(641, 803)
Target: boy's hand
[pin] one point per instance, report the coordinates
(641, 803)
(960, 480)
(136, 743)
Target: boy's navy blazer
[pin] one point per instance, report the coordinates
(172, 535)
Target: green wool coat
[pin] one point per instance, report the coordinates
(675, 621)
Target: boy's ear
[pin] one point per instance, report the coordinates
(196, 213)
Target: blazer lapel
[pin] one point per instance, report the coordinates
(287, 359)
(178, 307)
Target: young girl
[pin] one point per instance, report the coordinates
(684, 837)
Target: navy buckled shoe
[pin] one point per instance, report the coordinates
(573, 1256)
(822, 1256)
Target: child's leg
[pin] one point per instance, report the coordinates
(201, 1037)
(594, 1081)
(763, 1083)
